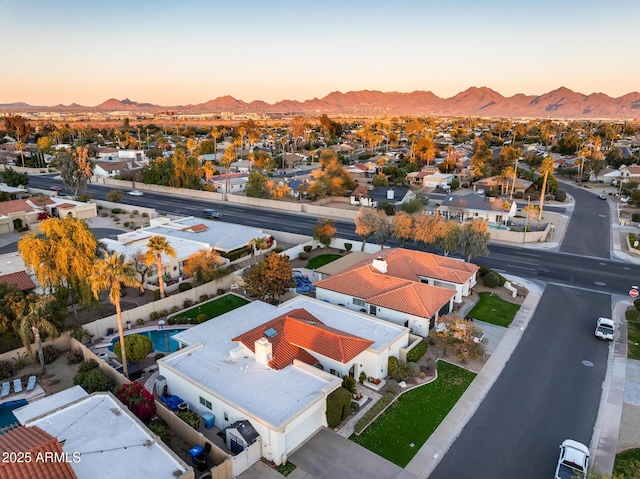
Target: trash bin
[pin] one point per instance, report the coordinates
(183, 407)
(209, 420)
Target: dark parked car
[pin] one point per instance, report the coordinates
(211, 214)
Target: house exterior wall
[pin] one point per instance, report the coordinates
(275, 443)
(417, 324)
(363, 201)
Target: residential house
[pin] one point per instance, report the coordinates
(20, 279)
(106, 169)
(497, 183)
(100, 438)
(274, 366)
(475, 207)
(234, 182)
(415, 178)
(410, 288)
(365, 196)
(631, 172)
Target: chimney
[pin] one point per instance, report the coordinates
(380, 264)
(390, 194)
(263, 351)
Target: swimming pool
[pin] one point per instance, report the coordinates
(6, 412)
(159, 338)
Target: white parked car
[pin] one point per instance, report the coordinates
(605, 328)
(573, 461)
(135, 193)
(480, 191)
(624, 199)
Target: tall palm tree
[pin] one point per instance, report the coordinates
(112, 273)
(37, 318)
(156, 247)
(545, 170)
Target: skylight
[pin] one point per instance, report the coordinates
(270, 333)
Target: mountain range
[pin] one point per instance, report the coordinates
(475, 101)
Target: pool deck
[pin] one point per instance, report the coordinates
(30, 396)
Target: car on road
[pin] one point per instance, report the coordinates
(480, 191)
(573, 461)
(605, 328)
(55, 188)
(603, 196)
(135, 193)
(211, 214)
(624, 199)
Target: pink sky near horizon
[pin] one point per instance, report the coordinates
(76, 52)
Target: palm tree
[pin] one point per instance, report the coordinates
(545, 169)
(156, 246)
(112, 273)
(37, 318)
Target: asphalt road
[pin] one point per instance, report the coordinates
(545, 394)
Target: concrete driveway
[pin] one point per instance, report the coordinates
(327, 455)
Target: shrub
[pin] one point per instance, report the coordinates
(393, 386)
(144, 215)
(417, 352)
(88, 366)
(392, 364)
(92, 381)
(303, 255)
(376, 409)
(362, 377)
(338, 406)
(203, 298)
(183, 320)
(104, 214)
(21, 361)
(278, 249)
(154, 315)
(192, 418)
(635, 217)
(163, 313)
(139, 321)
(116, 211)
(132, 225)
(455, 184)
(422, 375)
(50, 354)
(355, 407)
(162, 431)
(560, 195)
(132, 215)
(74, 357)
(201, 318)
(125, 224)
(349, 384)
(518, 195)
(348, 246)
(114, 196)
(432, 364)
(484, 270)
(193, 320)
(491, 279)
(6, 370)
(136, 346)
(414, 369)
(220, 291)
(184, 286)
(158, 356)
(171, 321)
(139, 401)
(632, 314)
(175, 309)
(636, 303)
(156, 294)
(187, 303)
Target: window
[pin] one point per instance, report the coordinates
(205, 403)
(358, 302)
(226, 416)
(332, 371)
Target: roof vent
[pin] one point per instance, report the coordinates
(390, 194)
(270, 333)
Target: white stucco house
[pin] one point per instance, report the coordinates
(405, 287)
(274, 366)
(473, 206)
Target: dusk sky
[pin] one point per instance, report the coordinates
(180, 52)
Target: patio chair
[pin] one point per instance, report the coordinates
(31, 383)
(6, 388)
(17, 385)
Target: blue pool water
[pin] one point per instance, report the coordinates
(158, 338)
(496, 227)
(6, 412)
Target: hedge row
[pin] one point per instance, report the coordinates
(376, 409)
(417, 352)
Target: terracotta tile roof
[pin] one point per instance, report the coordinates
(298, 332)
(362, 282)
(65, 206)
(419, 299)
(21, 280)
(360, 166)
(33, 440)
(14, 206)
(196, 228)
(361, 190)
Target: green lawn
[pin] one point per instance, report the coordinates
(627, 465)
(492, 309)
(415, 415)
(214, 307)
(321, 260)
(633, 340)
